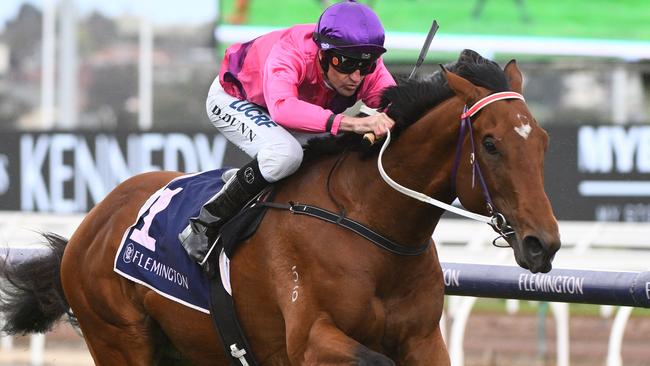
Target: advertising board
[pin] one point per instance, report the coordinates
(599, 172)
(592, 172)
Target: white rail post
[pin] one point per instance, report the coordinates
(606, 311)
(512, 306)
(561, 315)
(461, 316)
(443, 327)
(616, 336)
(6, 343)
(37, 349)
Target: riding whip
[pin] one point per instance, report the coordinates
(425, 48)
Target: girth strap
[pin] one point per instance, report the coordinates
(360, 229)
(224, 316)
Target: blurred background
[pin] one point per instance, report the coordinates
(93, 92)
(82, 79)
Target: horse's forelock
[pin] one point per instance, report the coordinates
(485, 73)
(470, 56)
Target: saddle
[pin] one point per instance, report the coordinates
(236, 230)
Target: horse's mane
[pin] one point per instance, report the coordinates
(411, 99)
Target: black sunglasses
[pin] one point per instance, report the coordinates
(348, 65)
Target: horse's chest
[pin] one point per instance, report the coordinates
(417, 310)
(386, 323)
(373, 324)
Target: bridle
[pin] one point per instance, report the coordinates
(496, 220)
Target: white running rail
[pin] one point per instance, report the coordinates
(585, 245)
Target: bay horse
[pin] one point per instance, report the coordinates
(308, 292)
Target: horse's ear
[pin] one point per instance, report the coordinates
(463, 88)
(514, 76)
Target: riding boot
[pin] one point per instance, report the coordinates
(240, 188)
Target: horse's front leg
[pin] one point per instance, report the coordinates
(429, 349)
(328, 345)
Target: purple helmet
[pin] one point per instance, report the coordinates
(351, 28)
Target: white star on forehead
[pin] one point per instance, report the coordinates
(525, 128)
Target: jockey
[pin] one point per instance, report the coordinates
(279, 90)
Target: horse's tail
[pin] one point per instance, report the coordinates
(31, 294)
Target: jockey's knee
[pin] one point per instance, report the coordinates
(280, 160)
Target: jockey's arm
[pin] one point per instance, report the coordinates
(283, 73)
(379, 124)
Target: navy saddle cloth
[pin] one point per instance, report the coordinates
(150, 252)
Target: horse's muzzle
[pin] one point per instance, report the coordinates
(537, 254)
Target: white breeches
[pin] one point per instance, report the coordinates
(249, 127)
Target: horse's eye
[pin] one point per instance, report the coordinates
(490, 147)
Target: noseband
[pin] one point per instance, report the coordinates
(497, 221)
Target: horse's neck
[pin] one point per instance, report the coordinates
(421, 159)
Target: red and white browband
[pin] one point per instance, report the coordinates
(489, 99)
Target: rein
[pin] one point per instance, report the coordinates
(497, 221)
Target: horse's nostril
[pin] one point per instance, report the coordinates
(533, 246)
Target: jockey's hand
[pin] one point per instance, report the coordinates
(379, 124)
